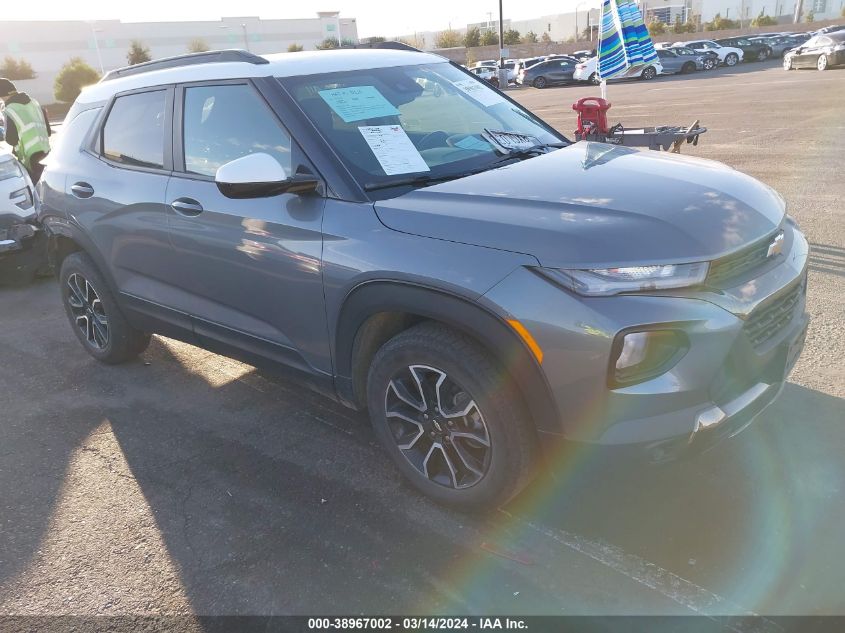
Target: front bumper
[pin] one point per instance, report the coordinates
(715, 390)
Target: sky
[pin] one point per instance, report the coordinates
(373, 19)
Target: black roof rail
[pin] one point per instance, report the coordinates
(190, 59)
(392, 45)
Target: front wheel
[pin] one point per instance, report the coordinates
(594, 79)
(94, 315)
(540, 83)
(449, 418)
(821, 64)
(688, 68)
(732, 59)
(764, 55)
(709, 63)
(787, 63)
(649, 73)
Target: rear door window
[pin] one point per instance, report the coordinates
(134, 131)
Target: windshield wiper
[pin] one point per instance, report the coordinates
(527, 152)
(412, 181)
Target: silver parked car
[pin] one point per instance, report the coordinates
(674, 62)
(483, 287)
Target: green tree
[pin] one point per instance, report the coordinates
(473, 37)
(295, 48)
(512, 36)
(138, 53)
(447, 39)
(328, 44)
(763, 20)
(489, 38)
(530, 38)
(720, 24)
(376, 39)
(546, 38)
(72, 78)
(656, 27)
(13, 69)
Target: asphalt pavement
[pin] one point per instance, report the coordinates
(188, 483)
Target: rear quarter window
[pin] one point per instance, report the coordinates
(133, 134)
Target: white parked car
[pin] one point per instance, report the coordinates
(728, 55)
(22, 244)
(586, 71)
(487, 73)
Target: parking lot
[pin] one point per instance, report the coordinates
(186, 482)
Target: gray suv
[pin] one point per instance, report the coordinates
(410, 241)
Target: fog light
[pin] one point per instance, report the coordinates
(639, 356)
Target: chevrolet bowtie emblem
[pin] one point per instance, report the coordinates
(776, 247)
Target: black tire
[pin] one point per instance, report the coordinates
(710, 63)
(689, 67)
(594, 79)
(540, 83)
(94, 315)
(648, 73)
(764, 55)
(732, 59)
(503, 466)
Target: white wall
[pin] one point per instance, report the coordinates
(49, 45)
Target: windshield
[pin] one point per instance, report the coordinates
(428, 120)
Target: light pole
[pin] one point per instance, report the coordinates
(97, 44)
(243, 29)
(577, 32)
(503, 72)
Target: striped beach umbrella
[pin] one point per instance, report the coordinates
(625, 45)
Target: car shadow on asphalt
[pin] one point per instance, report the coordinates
(271, 499)
(826, 258)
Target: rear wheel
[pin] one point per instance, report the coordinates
(764, 55)
(821, 64)
(688, 67)
(540, 82)
(95, 316)
(449, 418)
(649, 73)
(594, 79)
(732, 59)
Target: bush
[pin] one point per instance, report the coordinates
(16, 69)
(72, 78)
(763, 20)
(198, 45)
(138, 53)
(489, 38)
(295, 48)
(656, 27)
(472, 38)
(546, 38)
(811, 17)
(720, 24)
(512, 36)
(448, 39)
(328, 44)
(530, 38)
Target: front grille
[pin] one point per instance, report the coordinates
(739, 263)
(770, 319)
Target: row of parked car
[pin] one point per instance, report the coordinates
(815, 49)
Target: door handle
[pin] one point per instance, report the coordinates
(186, 206)
(82, 190)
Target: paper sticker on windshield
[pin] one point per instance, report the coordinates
(393, 149)
(474, 143)
(358, 103)
(478, 91)
(511, 141)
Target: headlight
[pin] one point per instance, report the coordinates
(9, 169)
(599, 282)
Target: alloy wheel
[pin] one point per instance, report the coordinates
(787, 63)
(822, 63)
(540, 82)
(437, 426)
(88, 311)
(764, 55)
(731, 59)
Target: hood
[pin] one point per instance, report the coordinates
(595, 205)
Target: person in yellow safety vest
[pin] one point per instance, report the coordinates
(27, 128)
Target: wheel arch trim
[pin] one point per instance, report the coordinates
(375, 297)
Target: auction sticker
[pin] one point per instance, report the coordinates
(358, 103)
(478, 91)
(394, 150)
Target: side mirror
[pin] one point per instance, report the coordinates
(260, 176)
